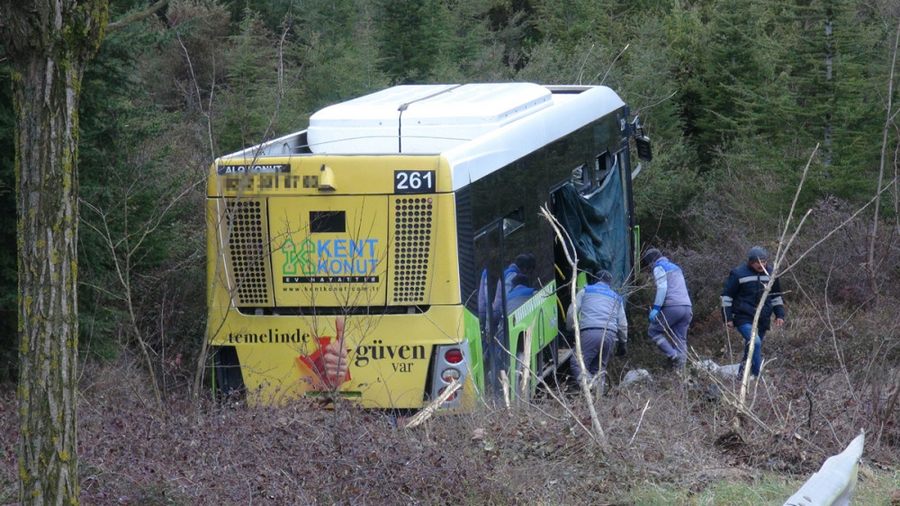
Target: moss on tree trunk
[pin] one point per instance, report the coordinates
(49, 44)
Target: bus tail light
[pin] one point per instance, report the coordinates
(453, 396)
(453, 356)
(450, 374)
(449, 366)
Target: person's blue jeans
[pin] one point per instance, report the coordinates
(756, 362)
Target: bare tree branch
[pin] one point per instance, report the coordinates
(779, 258)
(573, 264)
(613, 63)
(870, 262)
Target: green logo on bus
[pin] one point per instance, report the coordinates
(351, 260)
(294, 257)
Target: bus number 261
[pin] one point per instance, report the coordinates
(414, 181)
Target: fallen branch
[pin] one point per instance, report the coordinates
(504, 384)
(429, 410)
(641, 419)
(526, 364)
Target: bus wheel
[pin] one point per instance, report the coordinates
(228, 382)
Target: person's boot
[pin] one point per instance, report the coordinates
(599, 384)
(672, 362)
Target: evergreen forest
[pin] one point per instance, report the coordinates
(749, 103)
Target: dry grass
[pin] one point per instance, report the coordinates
(231, 454)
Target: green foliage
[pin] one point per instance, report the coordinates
(790, 76)
(666, 191)
(189, 52)
(252, 97)
(272, 13)
(413, 36)
(513, 31)
(687, 42)
(474, 52)
(735, 69)
(336, 51)
(135, 191)
(581, 23)
(862, 47)
(770, 489)
(636, 59)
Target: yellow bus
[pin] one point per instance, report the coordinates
(402, 229)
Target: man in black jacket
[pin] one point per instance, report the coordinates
(743, 290)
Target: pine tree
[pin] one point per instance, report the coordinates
(736, 73)
(250, 100)
(856, 113)
(335, 47)
(412, 36)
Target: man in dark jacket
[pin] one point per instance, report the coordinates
(743, 290)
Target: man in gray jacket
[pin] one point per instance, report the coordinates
(671, 314)
(601, 320)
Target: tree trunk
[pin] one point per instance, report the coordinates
(49, 44)
(48, 327)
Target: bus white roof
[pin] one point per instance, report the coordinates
(421, 119)
(478, 128)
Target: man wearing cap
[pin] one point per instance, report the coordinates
(601, 319)
(672, 312)
(743, 290)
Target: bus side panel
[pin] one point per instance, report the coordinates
(538, 315)
(476, 355)
(508, 200)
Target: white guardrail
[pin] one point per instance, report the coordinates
(834, 483)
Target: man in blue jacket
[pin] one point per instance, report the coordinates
(602, 324)
(742, 293)
(672, 313)
(523, 265)
(520, 292)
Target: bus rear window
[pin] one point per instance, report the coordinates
(327, 221)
